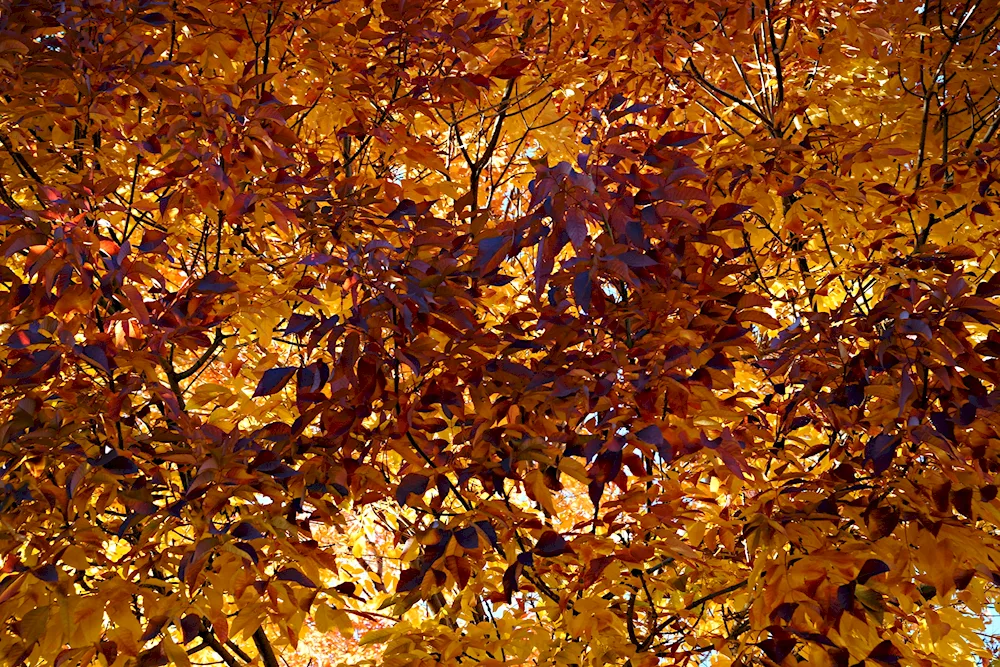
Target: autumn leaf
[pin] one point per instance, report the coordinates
(551, 544)
(623, 335)
(510, 68)
(273, 380)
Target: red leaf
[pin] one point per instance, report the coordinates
(21, 239)
(29, 366)
(678, 138)
(510, 68)
(510, 581)
(728, 211)
(190, 627)
(159, 182)
(153, 240)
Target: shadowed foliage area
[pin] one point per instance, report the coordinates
(441, 332)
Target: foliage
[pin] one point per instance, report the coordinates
(559, 333)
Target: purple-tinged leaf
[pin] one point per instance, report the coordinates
(29, 366)
(95, 355)
(510, 581)
(273, 380)
(677, 138)
(293, 575)
(404, 208)
(635, 259)
(651, 435)
(467, 538)
(347, 588)
(489, 531)
(854, 395)
(414, 483)
(249, 551)
(311, 379)
(967, 414)
(595, 490)
(316, 259)
(880, 450)
(190, 628)
(962, 500)
(887, 189)
(409, 579)
(298, 323)
(944, 425)
(905, 391)
(576, 228)
(777, 649)
(153, 628)
(551, 544)
(155, 19)
(728, 211)
(21, 240)
(24, 338)
(214, 283)
(886, 653)
(872, 568)
(491, 251)
(582, 290)
(246, 531)
(153, 240)
(120, 465)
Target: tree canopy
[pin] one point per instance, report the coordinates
(453, 332)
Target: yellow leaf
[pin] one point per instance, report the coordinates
(75, 558)
(88, 621)
(541, 492)
(377, 636)
(176, 654)
(33, 624)
(696, 533)
(327, 618)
